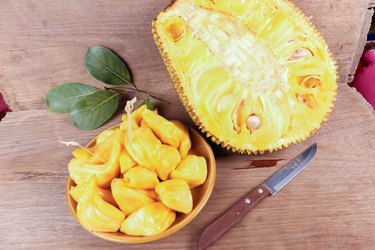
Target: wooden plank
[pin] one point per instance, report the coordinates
(344, 41)
(330, 205)
(361, 44)
(42, 43)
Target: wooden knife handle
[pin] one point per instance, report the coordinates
(233, 215)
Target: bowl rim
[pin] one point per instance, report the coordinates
(143, 239)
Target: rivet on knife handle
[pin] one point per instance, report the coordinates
(270, 187)
(233, 215)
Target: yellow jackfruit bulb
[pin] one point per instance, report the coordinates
(192, 169)
(141, 178)
(100, 152)
(95, 214)
(104, 136)
(143, 146)
(150, 193)
(136, 118)
(255, 75)
(176, 195)
(77, 192)
(165, 130)
(126, 162)
(149, 220)
(147, 150)
(166, 160)
(144, 124)
(128, 199)
(185, 143)
(81, 172)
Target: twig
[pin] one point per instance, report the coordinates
(138, 91)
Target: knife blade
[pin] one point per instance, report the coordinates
(270, 187)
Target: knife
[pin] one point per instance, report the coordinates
(270, 187)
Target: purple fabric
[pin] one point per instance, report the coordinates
(364, 80)
(3, 107)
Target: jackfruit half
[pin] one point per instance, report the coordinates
(255, 75)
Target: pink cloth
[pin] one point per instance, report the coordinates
(364, 80)
(3, 107)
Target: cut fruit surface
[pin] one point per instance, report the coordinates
(255, 75)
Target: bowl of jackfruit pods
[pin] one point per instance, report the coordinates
(141, 180)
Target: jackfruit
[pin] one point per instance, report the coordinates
(136, 119)
(147, 150)
(185, 142)
(141, 178)
(192, 169)
(126, 162)
(81, 172)
(95, 214)
(129, 199)
(149, 220)
(166, 131)
(100, 152)
(176, 195)
(77, 192)
(255, 75)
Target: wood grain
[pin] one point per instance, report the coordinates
(43, 43)
(217, 228)
(361, 44)
(329, 205)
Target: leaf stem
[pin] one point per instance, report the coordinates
(135, 86)
(136, 90)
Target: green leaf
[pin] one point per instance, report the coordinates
(94, 110)
(148, 103)
(106, 66)
(62, 98)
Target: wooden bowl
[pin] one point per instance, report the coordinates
(200, 195)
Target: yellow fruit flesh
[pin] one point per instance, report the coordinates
(81, 172)
(232, 60)
(78, 191)
(104, 136)
(100, 152)
(126, 162)
(176, 195)
(136, 187)
(136, 119)
(141, 178)
(147, 150)
(95, 214)
(165, 130)
(128, 199)
(192, 169)
(185, 142)
(144, 144)
(149, 220)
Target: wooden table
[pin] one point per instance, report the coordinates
(42, 43)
